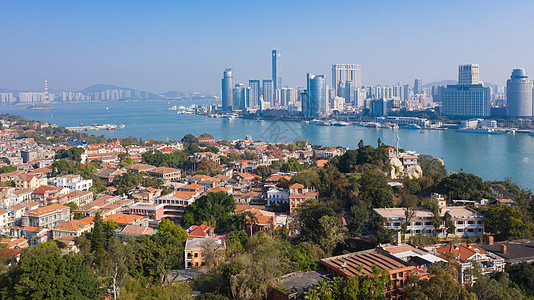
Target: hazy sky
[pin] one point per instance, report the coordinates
(185, 45)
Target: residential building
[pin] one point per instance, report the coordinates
(299, 194)
(135, 231)
(73, 228)
(417, 87)
(519, 95)
(268, 91)
(5, 220)
(47, 216)
(294, 285)
(167, 174)
(254, 93)
(138, 168)
(29, 181)
(198, 249)
(346, 73)
(276, 196)
(73, 182)
(122, 220)
(152, 211)
(361, 263)
(49, 194)
(467, 255)
(513, 252)
(106, 153)
(175, 204)
(108, 174)
(200, 231)
(468, 222)
(79, 198)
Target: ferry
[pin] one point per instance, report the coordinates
(40, 106)
(413, 126)
(485, 130)
(340, 123)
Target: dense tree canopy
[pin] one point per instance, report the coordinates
(210, 209)
(504, 221)
(464, 186)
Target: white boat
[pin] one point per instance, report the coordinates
(481, 130)
(122, 126)
(531, 133)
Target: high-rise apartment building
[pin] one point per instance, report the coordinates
(346, 72)
(240, 97)
(254, 97)
(268, 91)
(227, 90)
(468, 74)
(417, 87)
(468, 98)
(277, 69)
(519, 95)
(317, 102)
(289, 96)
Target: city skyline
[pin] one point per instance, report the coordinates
(155, 47)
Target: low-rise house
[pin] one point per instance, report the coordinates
(152, 211)
(17, 197)
(73, 182)
(512, 252)
(135, 231)
(107, 174)
(10, 176)
(146, 194)
(411, 254)
(5, 221)
(470, 257)
(467, 221)
(195, 188)
(35, 235)
(167, 174)
(294, 285)
(200, 231)
(47, 216)
(138, 168)
(276, 196)
(198, 251)
(174, 204)
(15, 214)
(106, 153)
(73, 228)
(78, 197)
(105, 205)
(15, 243)
(360, 264)
(122, 220)
(29, 181)
(299, 194)
(48, 194)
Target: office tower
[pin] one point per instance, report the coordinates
(241, 97)
(303, 98)
(277, 69)
(227, 90)
(289, 96)
(379, 108)
(417, 87)
(346, 72)
(467, 98)
(406, 92)
(317, 102)
(519, 94)
(254, 98)
(268, 91)
(468, 74)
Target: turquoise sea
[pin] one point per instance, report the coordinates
(489, 156)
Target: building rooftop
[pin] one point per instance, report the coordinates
(301, 281)
(516, 251)
(360, 263)
(46, 210)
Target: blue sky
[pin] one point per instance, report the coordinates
(185, 45)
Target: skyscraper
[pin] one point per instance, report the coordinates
(468, 74)
(277, 69)
(268, 91)
(254, 99)
(468, 98)
(346, 72)
(317, 101)
(519, 94)
(417, 87)
(227, 90)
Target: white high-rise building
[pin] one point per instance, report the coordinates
(346, 72)
(519, 94)
(468, 74)
(268, 91)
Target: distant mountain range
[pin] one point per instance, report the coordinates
(447, 82)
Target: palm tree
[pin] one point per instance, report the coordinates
(250, 219)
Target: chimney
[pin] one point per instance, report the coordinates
(503, 248)
(399, 238)
(490, 240)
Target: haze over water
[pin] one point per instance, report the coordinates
(488, 156)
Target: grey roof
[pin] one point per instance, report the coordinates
(516, 251)
(203, 242)
(185, 274)
(299, 282)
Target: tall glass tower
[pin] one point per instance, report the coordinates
(277, 69)
(227, 90)
(317, 103)
(519, 94)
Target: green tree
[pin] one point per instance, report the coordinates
(464, 186)
(211, 208)
(73, 153)
(505, 221)
(7, 169)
